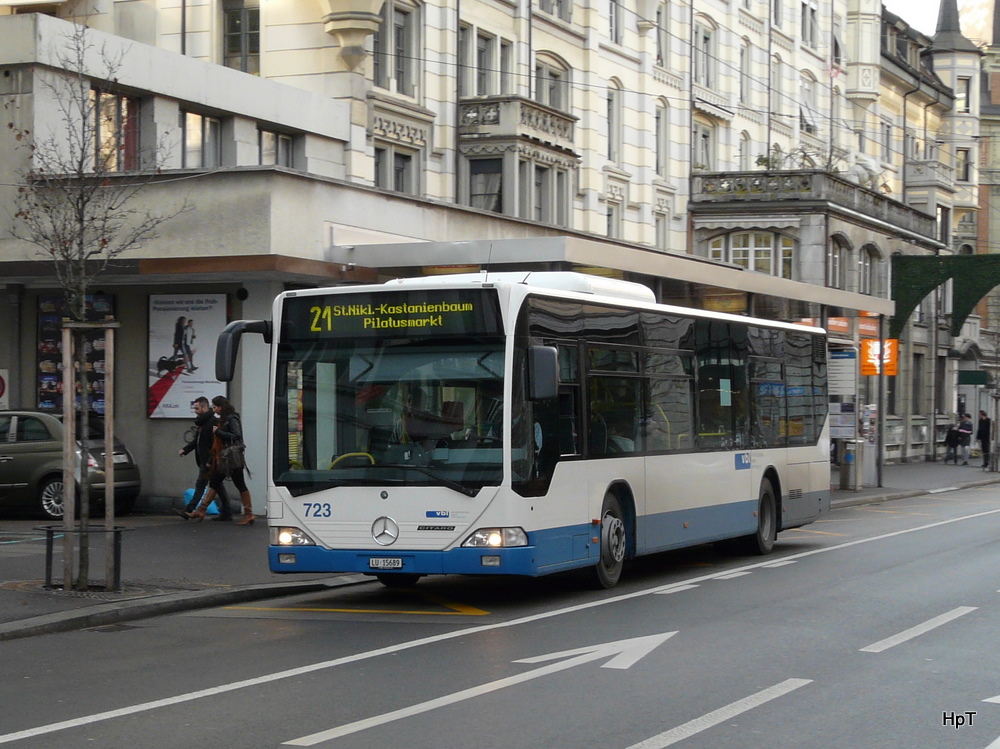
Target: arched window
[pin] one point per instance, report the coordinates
(552, 79)
(808, 118)
(662, 139)
(744, 154)
(777, 97)
(704, 52)
(759, 251)
(868, 270)
(703, 144)
(837, 256)
(745, 72)
(663, 34)
(615, 122)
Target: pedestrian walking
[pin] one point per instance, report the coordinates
(965, 437)
(229, 433)
(983, 435)
(951, 440)
(204, 424)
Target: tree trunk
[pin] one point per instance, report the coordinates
(83, 427)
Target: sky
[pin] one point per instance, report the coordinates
(920, 14)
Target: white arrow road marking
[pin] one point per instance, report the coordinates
(721, 715)
(920, 629)
(623, 654)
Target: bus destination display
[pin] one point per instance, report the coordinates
(441, 312)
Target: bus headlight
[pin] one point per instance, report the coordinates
(290, 536)
(494, 538)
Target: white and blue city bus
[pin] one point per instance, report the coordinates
(530, 423)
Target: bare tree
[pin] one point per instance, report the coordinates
(77, 200)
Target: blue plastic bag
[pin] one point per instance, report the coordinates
(213, 509)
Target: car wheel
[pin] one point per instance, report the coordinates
(50, 498)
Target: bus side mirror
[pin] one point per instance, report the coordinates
(543, 372)
(228, 345)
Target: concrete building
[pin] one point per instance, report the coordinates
(744, 156)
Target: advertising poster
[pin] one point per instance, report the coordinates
(51, 310)
(183, 329)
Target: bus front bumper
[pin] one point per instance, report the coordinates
(519, 560)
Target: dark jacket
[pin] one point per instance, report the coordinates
(202, 442)
(951, 438)
(965, 433)
(231, 430)
(983, 432)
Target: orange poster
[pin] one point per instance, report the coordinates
(875, 353)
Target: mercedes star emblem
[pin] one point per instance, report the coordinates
(385, 531)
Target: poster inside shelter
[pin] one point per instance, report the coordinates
(183, 330)
(51, 311)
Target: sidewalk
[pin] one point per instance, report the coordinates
(170, 565)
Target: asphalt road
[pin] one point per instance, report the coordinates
(875, 628)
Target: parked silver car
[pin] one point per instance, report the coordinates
(31, 465)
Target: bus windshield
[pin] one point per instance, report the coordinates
(386, 411)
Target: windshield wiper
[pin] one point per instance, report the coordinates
(446, 481)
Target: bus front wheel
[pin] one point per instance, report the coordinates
(613, 543)
(762, 542)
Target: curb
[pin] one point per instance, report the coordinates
(904, 493)
(170, 603)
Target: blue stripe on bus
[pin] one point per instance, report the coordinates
(549, 550)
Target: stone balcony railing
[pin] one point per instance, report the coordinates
(515, 117)
(930, 173)
(807, 185)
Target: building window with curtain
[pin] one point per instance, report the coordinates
(760, 251)
(241, 35)
(116, 132)
(486, 184)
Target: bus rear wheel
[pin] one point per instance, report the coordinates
(762, 542)
(613, 543)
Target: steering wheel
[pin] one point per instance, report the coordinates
(486, 440)
(351, 455)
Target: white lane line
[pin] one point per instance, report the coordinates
(782, 563)
(731, 575)
(943, 489)
(995, 744)
(291, 673)
(680, 588)
(920, 629)
(714, 718)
